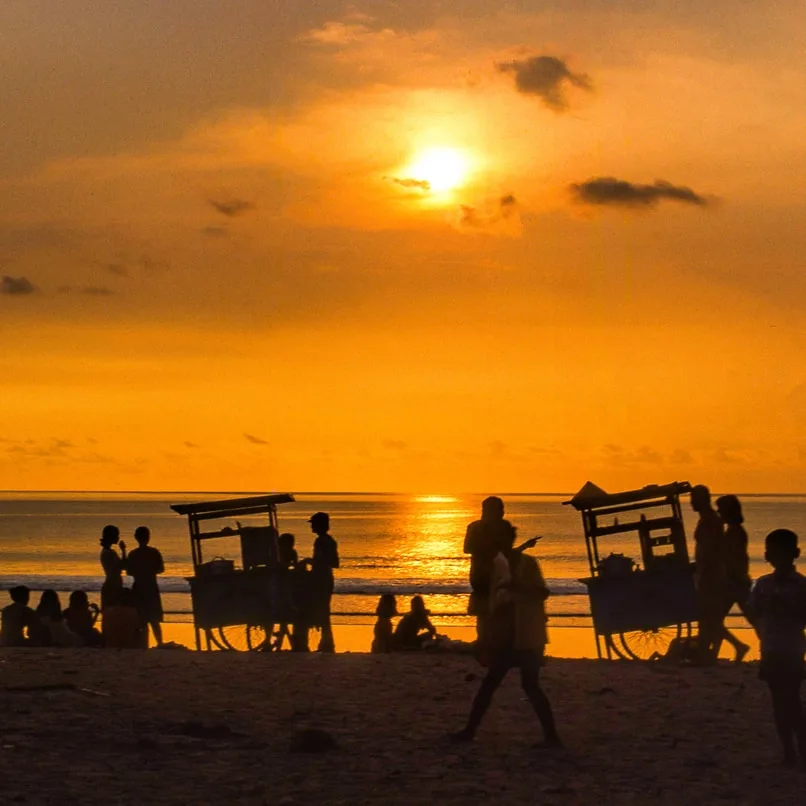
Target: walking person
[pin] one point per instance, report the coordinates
(737, 567)
(710, 575)
(112, 565)
(777, 605)
(145, 564)
(325, 561)
(515, 636)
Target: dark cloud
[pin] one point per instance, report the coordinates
(503, 208)
(88, 290)
(394, 445)
(117, 268)
(189, 444)
(215, 232)
(16, 286)
(546, 77)
(255, 440)
(232, 207)
(420, 184)
(603, 190)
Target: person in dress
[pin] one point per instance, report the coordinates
(383, 634)
(81, 616)
(516, 637)
(777, 605)
(112, 564)
(414, 630)
(325, 561)
(18, 620)
(53, 630)
(737, 566)
(145, 564)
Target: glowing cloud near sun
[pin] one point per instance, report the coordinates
(439, 169)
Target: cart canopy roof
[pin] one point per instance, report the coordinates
(230, 506)
(593, 497)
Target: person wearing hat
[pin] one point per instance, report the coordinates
(325, 560)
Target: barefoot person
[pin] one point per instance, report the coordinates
(112, 564)
(325, 561)
(516, 636)
(710, 575)
(777, 605)
(145, 563)
(737, 566)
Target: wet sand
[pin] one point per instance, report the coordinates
(170, 727)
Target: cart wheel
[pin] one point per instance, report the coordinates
(240, 637)
(643, 644)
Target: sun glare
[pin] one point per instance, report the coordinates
(443, 169)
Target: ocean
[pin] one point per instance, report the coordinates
(402, 544)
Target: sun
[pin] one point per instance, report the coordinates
(439, 169)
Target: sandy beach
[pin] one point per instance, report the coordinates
(185, 727)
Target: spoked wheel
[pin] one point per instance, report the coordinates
(238, 637)
(646, 644)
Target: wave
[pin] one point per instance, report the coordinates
(345, 586)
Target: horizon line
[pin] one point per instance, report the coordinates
(354, 492)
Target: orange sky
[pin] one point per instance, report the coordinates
(232, 258)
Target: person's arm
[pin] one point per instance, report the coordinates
(122, 554)
(529, 544)
(335, 555)
(470, 542)
(160, 562)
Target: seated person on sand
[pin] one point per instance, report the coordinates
(18, 619)
(383, 640)
(120, 625)
(80, 616)
(53, 631)
(414, 630)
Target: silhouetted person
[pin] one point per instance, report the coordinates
(53, 631)
(414, 630)
(120, 623)
(325, 561)
(144, 564)
(737, 566)
(382, 641)
(778, 607)
(710, 575)
(80, 616)
(112, 564)
(485, 538)
(287, 559)
(516, 636)
(18, 619)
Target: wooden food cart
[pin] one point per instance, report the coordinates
(234, 606)
(638, 607)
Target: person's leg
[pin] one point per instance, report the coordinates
(784, 723)
(156, 628)
(530, 681)
(327, 644)
(495, 675)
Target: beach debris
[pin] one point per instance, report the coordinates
(313, 740)
(604, 690)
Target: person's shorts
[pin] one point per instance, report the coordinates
(778, 669)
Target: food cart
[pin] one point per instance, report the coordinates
(234, 606)
(638, 606)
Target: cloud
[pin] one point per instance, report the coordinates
(421, 184)
(546, 77)
(88, 290)
(503, 208)
(604, 190)
(255, 440)
(16, 286)
(394, 445)
(215, 232)
(232, 207)
(618, 456)
(188, 444)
